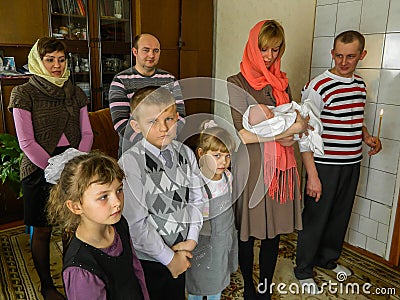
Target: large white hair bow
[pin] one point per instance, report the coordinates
(56, 164)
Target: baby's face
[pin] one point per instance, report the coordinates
(259, 113)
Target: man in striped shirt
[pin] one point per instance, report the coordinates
(146, 49)
(332, 178)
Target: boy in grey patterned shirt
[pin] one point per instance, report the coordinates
(162, 192)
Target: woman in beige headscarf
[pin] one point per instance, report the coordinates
(50, 116)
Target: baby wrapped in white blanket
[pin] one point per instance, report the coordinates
(269, 121)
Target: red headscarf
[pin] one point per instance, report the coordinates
(280, 170)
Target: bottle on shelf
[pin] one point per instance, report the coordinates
(77, 68)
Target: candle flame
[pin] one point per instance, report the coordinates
(381, 113)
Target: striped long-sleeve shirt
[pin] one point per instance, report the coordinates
(124, 86)
(341, 102)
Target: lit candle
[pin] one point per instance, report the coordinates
(380, 123)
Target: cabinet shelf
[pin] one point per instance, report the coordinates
(81, 73)
(112, 19)
(61, 15)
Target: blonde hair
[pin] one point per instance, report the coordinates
(215, 138)
(272, 35)
(78, 174)
(150, 95)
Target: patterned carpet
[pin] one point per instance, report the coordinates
(19, 281)
(370, 276)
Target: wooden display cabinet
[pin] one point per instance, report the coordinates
(98, 34)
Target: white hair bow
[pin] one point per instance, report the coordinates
(210, 124)
(56, 164)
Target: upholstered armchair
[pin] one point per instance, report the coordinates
(105, 138)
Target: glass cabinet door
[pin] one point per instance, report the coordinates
(115, 40)
(68, 21)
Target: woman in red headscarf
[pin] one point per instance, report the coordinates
(265, 174)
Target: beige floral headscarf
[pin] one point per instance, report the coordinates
(36, 67)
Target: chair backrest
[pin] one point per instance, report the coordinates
(105, 138)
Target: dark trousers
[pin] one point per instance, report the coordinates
(160, 283)
(267, 261)
(325, 222)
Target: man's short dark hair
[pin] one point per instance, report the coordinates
(350, 36)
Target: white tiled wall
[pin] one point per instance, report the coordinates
(348, 15)
(392, 51)
(374, 16)
(393, 24)
(371, 223)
